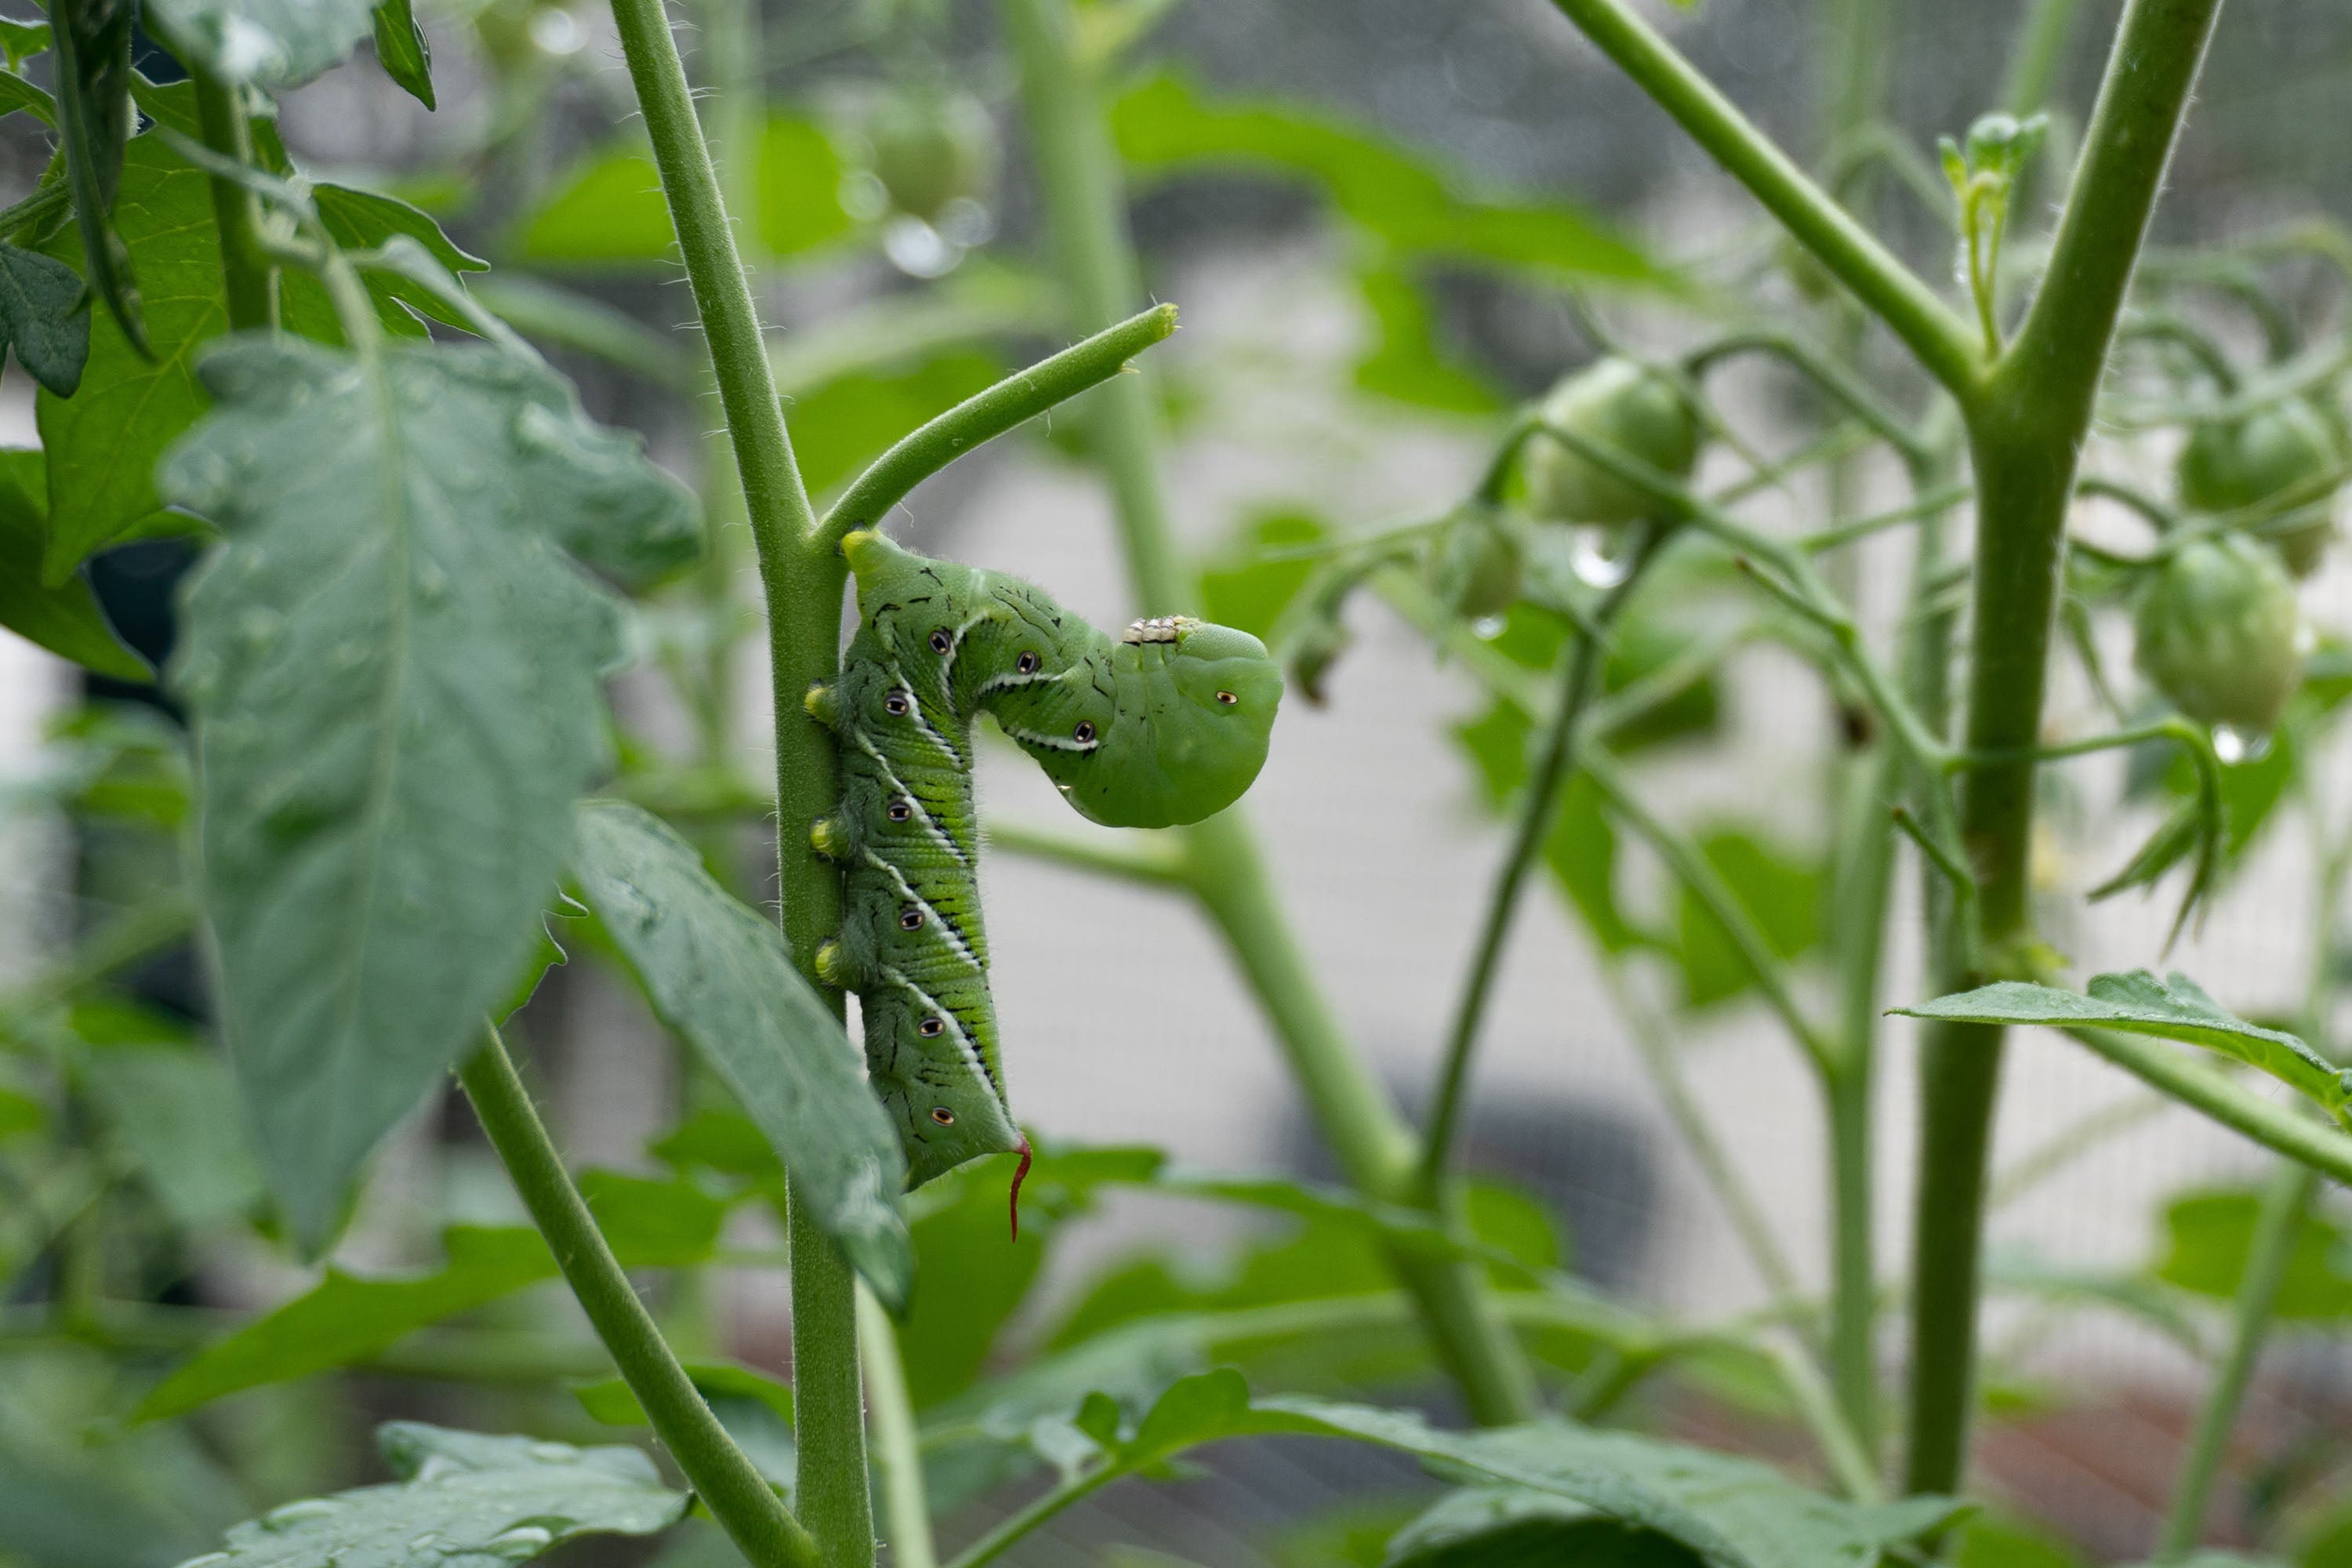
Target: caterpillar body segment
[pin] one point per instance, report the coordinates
(1166, 725)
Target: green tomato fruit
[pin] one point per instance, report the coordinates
(2236, 464)
(1474, 568)
(931, 149)
(1629, 406)
(2218, 632)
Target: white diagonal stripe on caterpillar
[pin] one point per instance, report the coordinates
(945, 839)
(931, 915)
(955, 1025)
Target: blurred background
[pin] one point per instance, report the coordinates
(1334, 375)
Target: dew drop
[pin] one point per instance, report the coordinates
(2234, 746)
(523, 1541)
(1486, 628)
(303, 1512)
(917, 249)
(555, 32)
(1593, 564)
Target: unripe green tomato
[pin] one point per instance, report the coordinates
(1626, 405)
(2234, 465)
(2218, 632)
(931, 149)
(1474, 568)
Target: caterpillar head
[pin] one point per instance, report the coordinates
(1176, 718)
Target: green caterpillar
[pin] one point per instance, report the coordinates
(1166, 725)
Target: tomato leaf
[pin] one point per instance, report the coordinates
(397, 683)
(45, 317)
(402, 50)
(265, 43)
(462, 1499)
(65, 619)
(2137, 1002)
(720, 976)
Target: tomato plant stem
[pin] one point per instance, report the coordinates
(2271, 1246)
(1086, 210)
(251, 281)
(898, 1445)
(736, 1493)
(800, 578)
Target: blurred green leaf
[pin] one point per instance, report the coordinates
(104, 442)
(1514, 1527)
(723, 1141)
(397, 682)
(1241, 588)
(16, 93)
(1781, 893)
(1408, 362)
(841, 426)
(1582, 850)
(268, 42)
(175, 1104)
(2210, 1235)
(611, 1402)
(1164, 123)
(719, 976)
(20, 41)
(1990, 1539)
(464, 1501)
(2137, 1002)
(402, 50)
(95, 121)
(66, 619)
(45, 317)
(347, 1318)
(20, 1112)
(609, 214)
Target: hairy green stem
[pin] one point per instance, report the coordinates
(2026, 427)
(898, 1445)
(1011, 402)
(746, 1507)
(802, 580)
(2277, 1225)
(1085, 208)
(1944, 344)
(251, 281)
(1580, 670)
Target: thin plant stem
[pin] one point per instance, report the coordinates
(1147, 862)
(2180, 1076)
(1891, 291)
(1579, 666)
(1843, 1448)
(1079, 178)
(251, 283)
(2277, 1225)
(897, 1446)
(1732, 1193)
(802, 582)
(1006, 406)
(746, 1507)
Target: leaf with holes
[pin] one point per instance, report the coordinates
(463, 1501)
(397, 679)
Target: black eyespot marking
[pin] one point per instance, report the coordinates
(943, 1116)
(941, 642)
(898, 811)
(1084, 731)
(931, 1029)
(1227, 697)
(895, 704)
(1025, 665)
(911, 920)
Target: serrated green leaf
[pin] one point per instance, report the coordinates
(464, 1501)
(347, 1318)
(66, 619)
(104, 442)
(609, 214)
(402, 50)
(45, 317)
(364, 220)
(719, 976)
(273, 43)
(397, 683)
(2138, 1003)
(1164, 123)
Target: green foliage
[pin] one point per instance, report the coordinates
(1408, 362)
(44, 318)
(2209, 1237)
(401, 50)
(94, 124)
(854, 417)
(1514, 1527)
(720, 976)
(64, 617)
(1989, 1538)
(347, 1318)
(389, 631)
(267, 43)
(175, 1106)
(1781, 894)
(2138, 1003)
(463, 1501)
(1241, 587)
(608, 212)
